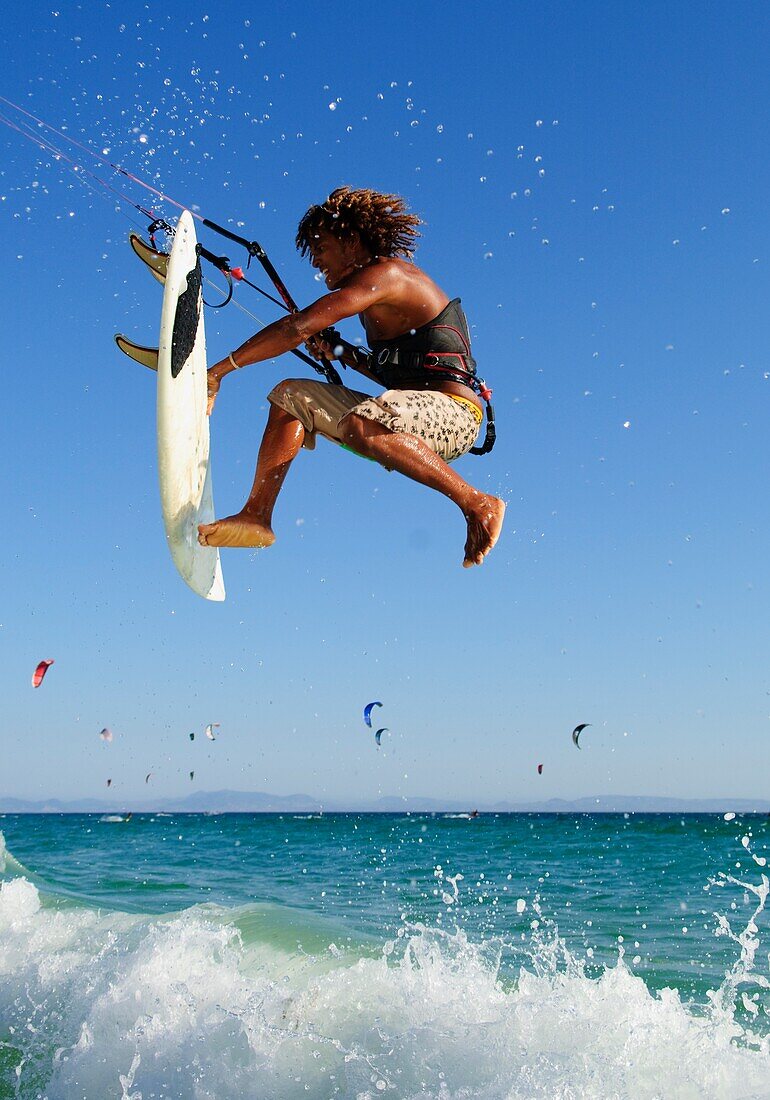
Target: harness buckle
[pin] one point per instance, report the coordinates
(383, 356)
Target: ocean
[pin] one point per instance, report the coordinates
(365, 955)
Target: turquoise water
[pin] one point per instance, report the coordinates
(367, 955)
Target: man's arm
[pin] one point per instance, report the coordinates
(362, 290)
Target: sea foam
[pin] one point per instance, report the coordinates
(96, 1004)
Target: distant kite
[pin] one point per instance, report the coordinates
(378, 735)
(148, 777)
(192, 776)
(368, 712)
(210, 730)
(39, 674)
(540, 769)
(192, 736)
(106, 735)
(577, 731)
(109, 782)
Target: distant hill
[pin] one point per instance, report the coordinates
(263, 802)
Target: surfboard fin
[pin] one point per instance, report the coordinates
(156, 261)
(148, 357)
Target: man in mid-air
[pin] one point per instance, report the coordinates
(362, 242)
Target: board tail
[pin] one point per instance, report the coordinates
(148, 357)
(156, 261)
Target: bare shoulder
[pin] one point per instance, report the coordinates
(406, 297)
(383, 274)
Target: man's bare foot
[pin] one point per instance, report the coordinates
(239, 530)
(485, 521)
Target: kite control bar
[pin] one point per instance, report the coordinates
(255, 250)
(222, 263)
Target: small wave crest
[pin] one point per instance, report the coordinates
(9, 865)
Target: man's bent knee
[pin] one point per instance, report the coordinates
(284, 389)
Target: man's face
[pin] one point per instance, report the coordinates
(332, 256)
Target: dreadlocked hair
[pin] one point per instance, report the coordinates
(381, 221)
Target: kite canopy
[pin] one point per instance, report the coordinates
(39, 674)
(368, 712)
(577, 731)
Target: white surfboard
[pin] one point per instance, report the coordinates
(183, 427)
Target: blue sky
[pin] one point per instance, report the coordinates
(593, 181)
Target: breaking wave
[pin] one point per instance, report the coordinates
(266, 1001)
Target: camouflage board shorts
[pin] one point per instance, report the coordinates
(448, 425)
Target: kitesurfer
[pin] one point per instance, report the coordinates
(362, 242)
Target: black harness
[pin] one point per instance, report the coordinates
(439, 351)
